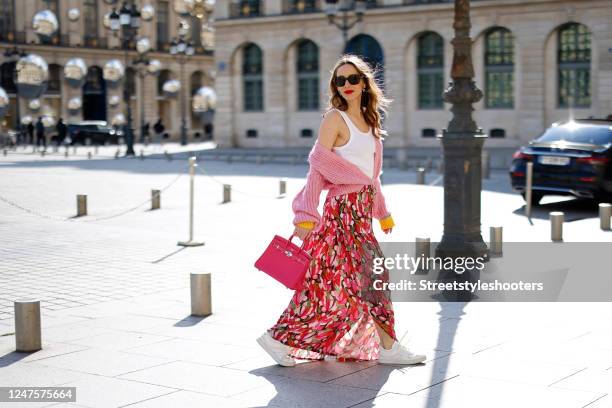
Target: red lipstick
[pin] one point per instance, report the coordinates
(348, 92)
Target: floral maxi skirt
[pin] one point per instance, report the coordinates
(334, 311)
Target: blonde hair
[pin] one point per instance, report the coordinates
(373, 101)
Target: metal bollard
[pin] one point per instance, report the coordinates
(141, 155)
(192, 169)
(420, 175)
(89, 155)
(27, 325)
(556, 226)
(282, 185)
(495, 244)
(4, 152)
(117, 154)
(227, 193)
(422, 249)
(81, 205)
(96, 150)
(528, 184)
(485, 164)
(66, 153)
(42, 153)
(74, 150)
(155, 199)
(605, 212)
(201, 301)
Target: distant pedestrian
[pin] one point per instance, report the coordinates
(30, 129)
(159, 128)
(40, 133)
(145, 136)
(61, 131)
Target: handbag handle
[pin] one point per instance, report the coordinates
(289, 240)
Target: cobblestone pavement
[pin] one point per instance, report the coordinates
(114, 291)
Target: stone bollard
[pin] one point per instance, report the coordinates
(556, 226)
(155, 199)
(66, 153)
(27, 325)
(4, 151)
(605, 211)
(528, 188)
(227, 193)
(201, 301)
(74, 150)
(42, 153)
(422, 248)
(282, 186)
(485, 164)
(420, 175)
(89, 155)
(142, 155)
(96, 150)
(81, 205)
(495, 238)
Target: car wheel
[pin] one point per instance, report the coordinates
(535, 197)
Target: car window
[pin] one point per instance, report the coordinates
(595, 135)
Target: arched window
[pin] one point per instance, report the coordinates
(54, 84)
(370, 50)
(252, 74)
(130, 81)
(307, 68)
(499, 68)
(574, 66)
(430, 68)
(7, 71)
(164, 76)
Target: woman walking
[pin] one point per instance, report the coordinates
(337, 312)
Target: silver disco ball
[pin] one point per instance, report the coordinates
(111, 2)
(75, 72)
(48, 121)
(75, 104)
(143, 45)
(113, 72)
(147, 12)
(114, 100)
(34, 104)
(154, 67)
(204, 99)
(199, 8)
(26, 120)
(171, 88)
(74, 14)
(4, 102)
(32, 75)
(106, 20)
(45, 23)
(118, 120)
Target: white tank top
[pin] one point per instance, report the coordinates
(360, 148)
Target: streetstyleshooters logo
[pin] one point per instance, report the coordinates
(414, 264)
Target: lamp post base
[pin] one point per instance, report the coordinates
(190, 243)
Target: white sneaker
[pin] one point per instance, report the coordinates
(399, 354)
(277, 350)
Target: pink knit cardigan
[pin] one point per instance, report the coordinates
(330, 171)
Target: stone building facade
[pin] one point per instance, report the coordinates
(536, 60)
(88, 38)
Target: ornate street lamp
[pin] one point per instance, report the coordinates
(181, 50)
(125, 23)
(345, 7)
(462, 146)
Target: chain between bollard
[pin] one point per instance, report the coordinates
(221, 183)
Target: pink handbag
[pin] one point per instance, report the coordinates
(285, 262)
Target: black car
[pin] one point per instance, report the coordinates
(572, 157)
(92, 132)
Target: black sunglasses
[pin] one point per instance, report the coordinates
(353, 80)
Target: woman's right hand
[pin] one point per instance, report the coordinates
(301, 232)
